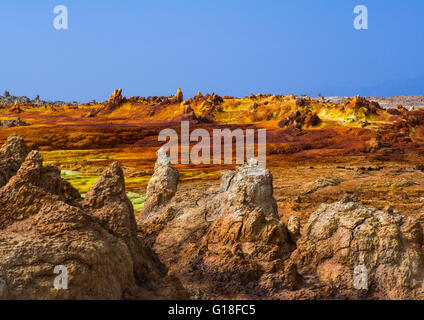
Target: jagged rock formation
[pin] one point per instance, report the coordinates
(209, 106)
(249, 185)
(321, 183)
(361, 106)
(229, 240)
(198, 97)
(185, 108)
(179, 96)
(300, 119)
(346, 235)
(186, 113)
(44, 223)
(13, 123)
(163, 184)
(115, 100)
(16, 108)
(8, 99)
(293, 227)
(247, 241)
(12, 155)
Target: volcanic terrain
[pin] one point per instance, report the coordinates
(343, 187)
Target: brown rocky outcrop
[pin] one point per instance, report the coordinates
(293, 227)
(116, 97)
(247, 242)
(13, 123)
(198, 97)
(12, 155)
(300, 119)
(163, 184)
(346, 240)
(179, 96)
(321, 183)
(186, 113)
(15, 107)
(228, 240)
(44, 224)
(115, 100)
(207, 116)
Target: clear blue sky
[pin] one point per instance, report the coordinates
(231, 47)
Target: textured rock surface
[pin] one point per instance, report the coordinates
(322, 183)
(13, 123)
(293, 227)
(346, 235)
(186, 113)
(247, 242)
(115, 100)
(163, 184)
(12, 154)
(7, 98)
(222, 241)
(248, 186)
(43, 224)
(179, 96)
(227, 241)
(297, 119)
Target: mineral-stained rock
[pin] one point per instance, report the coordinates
(179, 96)
(13, 123)
(249, 185)
(198, 97)
(186, 113)
(185, 107)
(108, 202)
(12, 154)
(116, 97)
(346, 240)
(16, 107)
(228, 241)
(207, 115)
(293, 227)
(247, 233)
(163, 184)
(362, 105)
(321, 183)
(216, 99)
(43, 224)
(115, 100)
(14, 149)
(372, 145)
(297, 119)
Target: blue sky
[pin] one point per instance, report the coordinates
(231, 47)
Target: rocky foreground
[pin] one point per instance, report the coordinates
(44, 223)
(211, 242)
(230, 243)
